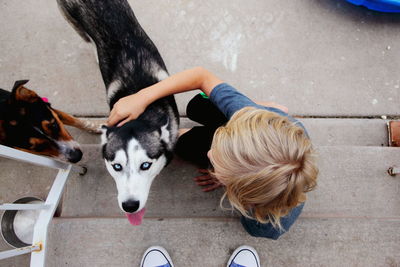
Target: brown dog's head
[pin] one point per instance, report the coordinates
(30, 124)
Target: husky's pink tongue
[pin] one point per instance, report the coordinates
(136, 218)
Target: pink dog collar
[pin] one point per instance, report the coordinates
(45, 99)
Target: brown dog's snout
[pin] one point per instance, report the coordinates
(74, 155)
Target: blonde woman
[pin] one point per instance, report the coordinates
(259, 154)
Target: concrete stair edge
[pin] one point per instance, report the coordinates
(339, 242)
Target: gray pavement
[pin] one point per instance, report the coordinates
(209, 242)
(320, 57)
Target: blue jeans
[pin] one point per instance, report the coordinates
(267, 230)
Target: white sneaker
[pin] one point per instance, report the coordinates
(244, 256)
(156, 257)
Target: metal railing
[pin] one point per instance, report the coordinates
(39, 242)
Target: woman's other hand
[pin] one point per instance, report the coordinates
(208, 182)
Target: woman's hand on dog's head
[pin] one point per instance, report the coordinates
(126, 109)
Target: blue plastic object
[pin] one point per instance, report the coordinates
(392, 6)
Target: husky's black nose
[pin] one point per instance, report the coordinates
(130, 205)
(74, 155)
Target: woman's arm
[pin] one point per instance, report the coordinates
(130, 107)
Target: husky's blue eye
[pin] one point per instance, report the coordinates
(145, 166)
(117, 167)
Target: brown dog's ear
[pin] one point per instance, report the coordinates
(21, 93)
(19, 83)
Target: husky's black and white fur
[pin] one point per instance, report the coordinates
(129, 61)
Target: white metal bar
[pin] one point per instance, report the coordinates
(11, 206)
(18, 251)
(38, 256)
(45, 216)
(12, 153)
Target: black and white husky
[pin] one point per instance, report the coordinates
(129, 61)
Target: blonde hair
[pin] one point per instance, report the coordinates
(266, 163)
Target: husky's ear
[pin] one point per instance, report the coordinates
(165, 135)
(104, 135)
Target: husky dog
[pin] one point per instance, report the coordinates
(136, 152)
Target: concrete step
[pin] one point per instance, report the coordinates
(209, 242)
(353, 182)
(316, 57)
(354, 189)
(23, 179)
(325, 132)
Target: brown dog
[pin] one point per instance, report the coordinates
(29, 123)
